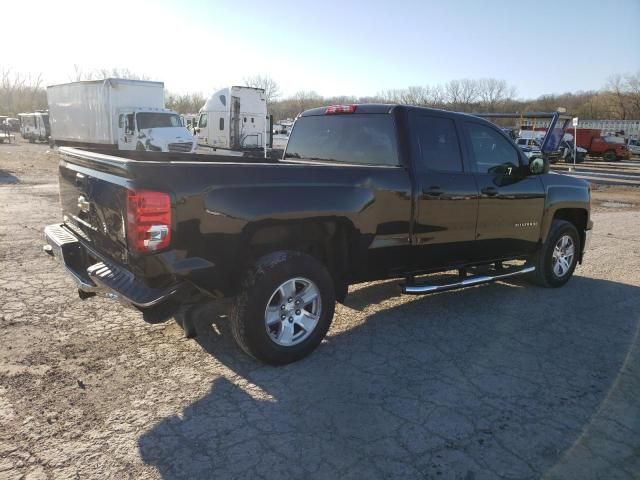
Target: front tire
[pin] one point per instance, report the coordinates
(284, 308)
(557, 258)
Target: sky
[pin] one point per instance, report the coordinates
(332, 47)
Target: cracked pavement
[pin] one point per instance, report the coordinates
(503, 381)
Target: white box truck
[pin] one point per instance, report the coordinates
(234, 118)
(116, 113)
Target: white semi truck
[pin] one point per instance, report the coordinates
(116, 113)
(234, 118)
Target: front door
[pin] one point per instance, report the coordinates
(447, 203)
(126, 132)
(234, 134)
(511, 202)
(202, 135)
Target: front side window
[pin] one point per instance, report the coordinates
(202, 122)
(129, 124)
(492, 153)
(438, 143)
(350, 138)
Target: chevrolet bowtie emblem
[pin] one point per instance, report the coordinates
(83, 204)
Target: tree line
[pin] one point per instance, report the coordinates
(618, 99)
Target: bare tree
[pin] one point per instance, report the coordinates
(268, 84)
(468, 92)
(453, 92)
(186, 103)
(100, 73)
(493, 92)
(20, 92)
(616, 90)
(633, 91)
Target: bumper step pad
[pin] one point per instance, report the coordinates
(124, 284)
(103, 275)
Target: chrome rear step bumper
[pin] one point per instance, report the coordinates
(420, 289)
(102, 276)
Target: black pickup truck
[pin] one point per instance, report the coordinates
(362, 192)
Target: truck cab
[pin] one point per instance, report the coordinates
(234, 118)
(153, 129)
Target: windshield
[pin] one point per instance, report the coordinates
(157, 120)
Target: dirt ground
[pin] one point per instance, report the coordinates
(501, 381)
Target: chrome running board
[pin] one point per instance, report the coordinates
(420, 289)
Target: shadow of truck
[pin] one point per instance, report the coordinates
(481, 383)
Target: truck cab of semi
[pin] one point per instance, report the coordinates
(153, 129)
(234, 118)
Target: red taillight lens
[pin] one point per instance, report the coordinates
(340, 109)
(148, 220)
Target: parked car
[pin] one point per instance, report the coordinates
(532, 147)
(566, 147)
(12, 124)
(362, 193)
(634, 146)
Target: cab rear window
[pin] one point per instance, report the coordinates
(350, 138)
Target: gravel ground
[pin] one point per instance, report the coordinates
(502, 381)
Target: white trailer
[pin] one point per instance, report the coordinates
(116, 113)
(234, 118)
(35, 126)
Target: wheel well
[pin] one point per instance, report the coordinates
(325, 240)
(577, 216)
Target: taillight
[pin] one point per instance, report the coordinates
(340, 109)
(148, 220)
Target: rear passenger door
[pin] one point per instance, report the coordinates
(511, 201)
(447, 195)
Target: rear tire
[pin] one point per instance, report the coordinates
(609, 156)
(265, 321)
(554, 265)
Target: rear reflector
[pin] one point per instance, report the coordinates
(148, 220)
(340, 109)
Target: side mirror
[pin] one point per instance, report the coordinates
(538, 165)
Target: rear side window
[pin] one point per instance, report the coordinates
(349, 138)
(491, 151)
(438, 142)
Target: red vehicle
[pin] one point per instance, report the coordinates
(595, 144)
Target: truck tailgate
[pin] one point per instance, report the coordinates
(93, 200)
